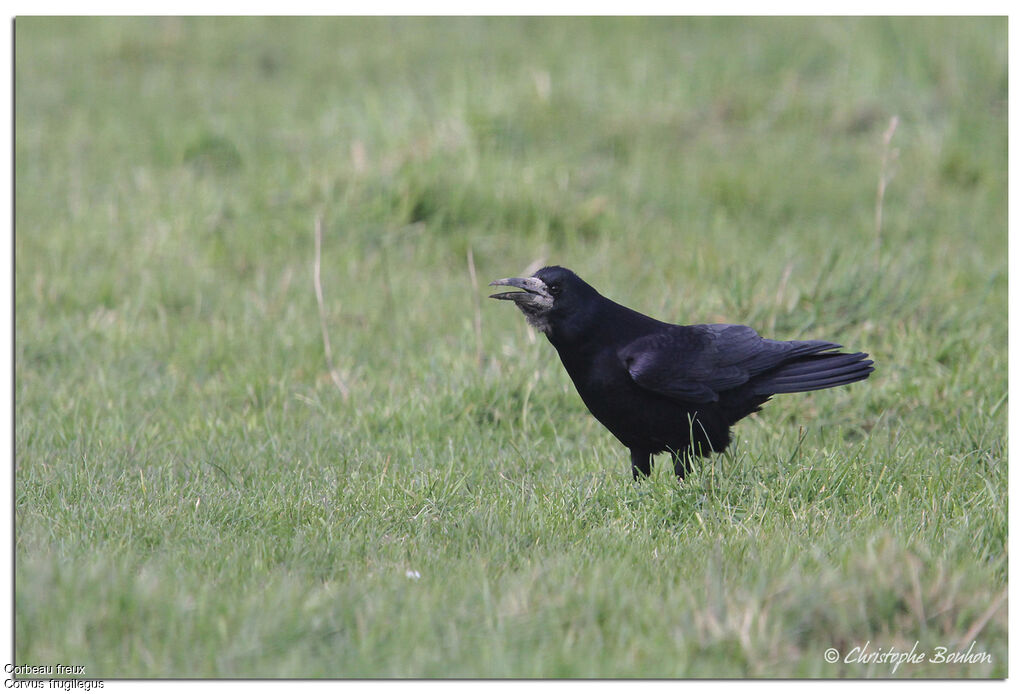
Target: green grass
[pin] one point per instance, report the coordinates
(194, 497)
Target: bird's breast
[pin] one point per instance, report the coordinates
(637, 417)
(606, 387)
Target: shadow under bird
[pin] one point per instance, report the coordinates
(660, 387)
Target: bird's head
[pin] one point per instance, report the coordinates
(548, 298)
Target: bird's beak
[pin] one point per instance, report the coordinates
(533, 290)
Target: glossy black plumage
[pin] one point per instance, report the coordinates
(662, 387)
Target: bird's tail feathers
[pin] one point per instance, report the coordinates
(814, 372)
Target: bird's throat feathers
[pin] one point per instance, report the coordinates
(537, 318)
(567, 328)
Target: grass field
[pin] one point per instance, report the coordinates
(195, 497)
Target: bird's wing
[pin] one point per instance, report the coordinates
(695, 363)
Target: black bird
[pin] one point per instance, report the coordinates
(660, 387)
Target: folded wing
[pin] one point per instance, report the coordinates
(699, 362)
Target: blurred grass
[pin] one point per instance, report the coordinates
(194, 498)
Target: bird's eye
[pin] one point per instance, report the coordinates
(555, 288)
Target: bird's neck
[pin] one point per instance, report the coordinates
(605, 324)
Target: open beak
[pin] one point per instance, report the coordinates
(533, 289)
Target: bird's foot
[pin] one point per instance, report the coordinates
(641, 464)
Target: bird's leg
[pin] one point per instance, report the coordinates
(641, 463)
(683, 463)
